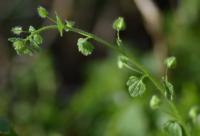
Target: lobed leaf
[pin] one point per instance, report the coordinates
(85, 47)
(136, 87)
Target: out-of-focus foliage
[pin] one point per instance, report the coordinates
(101, 106)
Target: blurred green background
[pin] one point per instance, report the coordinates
(59, 92)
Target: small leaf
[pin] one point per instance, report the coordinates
(85, 47)
(17, 30)
(136, 87)
(171, 62)
(60, 25)
(169, 89)
(14, 39)
(43, 13)
(19, 45)
(69, 24)
(119, 24)
(172, 128)
(31, 29)
(38, 38)
(155, 102)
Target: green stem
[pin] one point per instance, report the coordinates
(132, 69)
(122, 51)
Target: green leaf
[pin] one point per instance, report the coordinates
(60, 25)
(136, 87)
(171, 62)
(85, 47)
(155, 102)
(17, 30)
(31, 29)
(119, 24)
(43, 13)
(69, 24)
(172, 128)
(169, 89)
(6, 129)
(38, 39)
(19, 45)
(14, 39)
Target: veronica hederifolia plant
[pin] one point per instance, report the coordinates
(135, 84)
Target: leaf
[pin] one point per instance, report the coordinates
(17, 30)
(69, 24)
(13, 39)
(136, 87)
(38, 38)
(169, 89)
(31, 29)
(60, 25)
(171, 62)
(6, 129)
(119, 24)
(43, 13)
(85, 47)
(172, 128)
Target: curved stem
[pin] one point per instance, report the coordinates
(122, 51)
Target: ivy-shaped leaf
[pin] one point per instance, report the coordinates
(172, 128)
(136, 87)
(85, 47)
(60, 25)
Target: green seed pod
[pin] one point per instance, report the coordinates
(155, 102)
(171, 62)
(119, 24)
(43, 13)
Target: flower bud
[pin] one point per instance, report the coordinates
(119, 24)
(43, 13)
(155, 102)
(171, 62)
